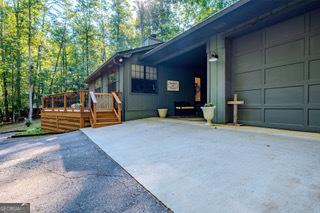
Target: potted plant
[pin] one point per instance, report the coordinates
(162, 112)
(208, 112)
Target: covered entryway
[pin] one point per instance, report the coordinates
(276, 71)
(189, 70)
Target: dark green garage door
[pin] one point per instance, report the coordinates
(276, 71)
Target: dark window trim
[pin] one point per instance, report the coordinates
(145, 82)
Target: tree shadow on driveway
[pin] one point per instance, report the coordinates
(69, 173)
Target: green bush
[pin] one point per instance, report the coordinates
(208, 105)
(27, 122)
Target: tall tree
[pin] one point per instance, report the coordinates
(3, 65)
(118, 24)
(30, 65)
(18, 99)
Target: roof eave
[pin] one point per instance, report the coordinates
(198, 26)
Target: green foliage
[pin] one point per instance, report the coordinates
(69, 39)
(27, 122)
(34, 129)
(208, 105)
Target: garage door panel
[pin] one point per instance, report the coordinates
(314, 94)
(247, 62)
(248, 80)
(315, 45)
(284, 30)
(285, 96)
(250, 115)
(314, 70)
(251, 97)
(248, 43)
(286, 52)
(315, 20)
(314, 115)
(285, 74)
(285, 116)
(283, 89)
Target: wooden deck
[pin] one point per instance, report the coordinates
(74, 110)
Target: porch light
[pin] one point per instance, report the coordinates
(214, 57)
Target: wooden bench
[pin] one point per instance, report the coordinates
(182, 108)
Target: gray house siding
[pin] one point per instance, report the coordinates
(141, 105)
(137, 105)
(104, 78)
(186, 83)
(276, 71)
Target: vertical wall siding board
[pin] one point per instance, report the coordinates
(306, 70)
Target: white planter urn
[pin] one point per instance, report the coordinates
(208, 113)
(163, 112)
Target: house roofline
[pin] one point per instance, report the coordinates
(94, 75)
(196, 27)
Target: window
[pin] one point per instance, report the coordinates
(143, 79)
(98, 85)
(112, 82)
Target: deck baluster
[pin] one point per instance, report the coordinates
(52, 103)
(64, 102)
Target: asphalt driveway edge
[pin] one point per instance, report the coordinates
(101, 150)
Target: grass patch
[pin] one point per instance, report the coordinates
(13, 127)
(33, 129)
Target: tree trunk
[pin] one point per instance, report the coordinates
(58, 58)
(18, 59)
(30, 66)
(39, 64)
(87, 50)
(38, 80)
(141, 17)
(55, 69)
(4, 73)
(104, 32)
(12, 92)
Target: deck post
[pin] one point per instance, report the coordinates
(64, 102)
(112, 101)
(94, 113)
(82, 101)
(81, 122)
(42, 103)
(52, 103)
(119, 112)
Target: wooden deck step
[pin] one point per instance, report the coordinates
(103, 120)
(105, 124)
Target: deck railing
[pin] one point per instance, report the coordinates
(100, 102)
(83, 106)
(117, 104)
(66, 102)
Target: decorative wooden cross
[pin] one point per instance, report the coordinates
(235, 104)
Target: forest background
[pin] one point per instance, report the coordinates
(50, 46)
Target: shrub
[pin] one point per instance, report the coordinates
(27, 122)
(208, 105)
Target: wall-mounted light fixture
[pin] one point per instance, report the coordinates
(213, 57)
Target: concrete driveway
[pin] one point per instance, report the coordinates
(196, 168)
(68, 173)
